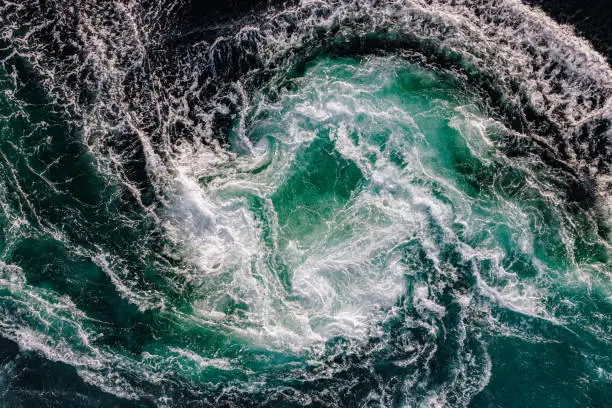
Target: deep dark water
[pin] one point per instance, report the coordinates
(590, 18)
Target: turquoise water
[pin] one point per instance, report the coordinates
(372, 230)
(371, 225)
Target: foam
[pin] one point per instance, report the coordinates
(338, 288)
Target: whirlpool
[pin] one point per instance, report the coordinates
(340, 203)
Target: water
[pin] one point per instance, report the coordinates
(347, 204)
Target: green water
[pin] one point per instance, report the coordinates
(374, 239)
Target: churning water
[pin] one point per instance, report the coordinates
(342, 203)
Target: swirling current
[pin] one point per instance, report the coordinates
(339, 203)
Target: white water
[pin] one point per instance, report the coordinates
(346, 268)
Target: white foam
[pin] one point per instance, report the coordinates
(338, 287)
